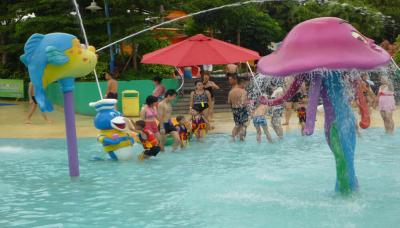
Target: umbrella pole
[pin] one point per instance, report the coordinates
(254, 77)
(183, 80)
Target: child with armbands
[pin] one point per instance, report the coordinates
(147, 138)
(199, 124)
(183, 127)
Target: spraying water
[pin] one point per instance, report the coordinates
(184, 17)
(86, 42)
(181, 18)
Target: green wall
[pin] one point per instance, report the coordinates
(86, 92)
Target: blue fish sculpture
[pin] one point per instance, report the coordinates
(55, 57)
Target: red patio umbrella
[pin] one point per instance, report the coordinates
(198, 50)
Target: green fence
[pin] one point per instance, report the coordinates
(86, 92)
(12, 88)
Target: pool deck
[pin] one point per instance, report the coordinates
(12, 121)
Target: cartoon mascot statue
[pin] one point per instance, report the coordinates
(114, 136)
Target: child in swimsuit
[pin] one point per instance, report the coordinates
(302, 112)
(199, 125)
(148, 140)
(277, 112)
(260, 121)
(183, 129)
(386, 104)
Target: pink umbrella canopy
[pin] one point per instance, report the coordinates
(198, 50)
(323, 43)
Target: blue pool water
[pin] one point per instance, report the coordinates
(212, 184)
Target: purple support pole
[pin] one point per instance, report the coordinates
(67, 87)
(313, 95)
(69, 113)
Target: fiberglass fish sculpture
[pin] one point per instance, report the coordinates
(54, 57)
(321, 49)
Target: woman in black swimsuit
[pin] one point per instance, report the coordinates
(199, 100)
(210, 86)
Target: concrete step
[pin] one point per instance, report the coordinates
(220, 96)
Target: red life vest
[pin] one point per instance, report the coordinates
(151, 140)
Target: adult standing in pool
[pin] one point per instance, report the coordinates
(210, 86)
(33, 105)
(164, 116)
(232, 79)
(200, 100)
(237, 98)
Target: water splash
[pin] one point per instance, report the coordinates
(78, 13)
(268, 82)
(184, 17)
(11, 149)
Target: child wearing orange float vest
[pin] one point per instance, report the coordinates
(148, 140)
(183, 127)
(199, 124)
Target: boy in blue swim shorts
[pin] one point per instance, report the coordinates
(260, 122)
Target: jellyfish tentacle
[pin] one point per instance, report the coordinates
(294, 87)
(313, 96)
(342, 135)
(329, 113)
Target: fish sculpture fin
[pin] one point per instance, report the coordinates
(40, 94)
(23, 59)
(44, 103)
(30, 47)
(55, 56)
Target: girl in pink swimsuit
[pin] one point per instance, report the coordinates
(386, 104)
(149, 115)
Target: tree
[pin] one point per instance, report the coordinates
(364, 18)
(20, 19)
(60, 16)
(389, 11)
(246, 26)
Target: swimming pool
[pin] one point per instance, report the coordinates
(213, 184)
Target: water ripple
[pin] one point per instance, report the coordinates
(215, 184)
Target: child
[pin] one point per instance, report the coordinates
(199, 124)
(182, 127)
(301, 112)
(386, 103)
(260, 121)
(148, 140)
(277, 112)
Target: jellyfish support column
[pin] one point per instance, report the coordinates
(67, 87)
(340, 131)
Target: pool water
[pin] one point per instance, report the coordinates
(212, 184)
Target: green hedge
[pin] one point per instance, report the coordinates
(86, 92)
